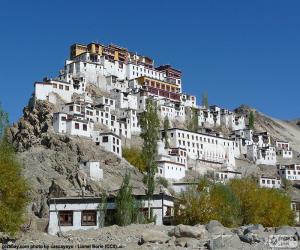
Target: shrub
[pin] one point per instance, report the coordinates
(239, 202)
(134, 157)
(269, 207)
(13, 190)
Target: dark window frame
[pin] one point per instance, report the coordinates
(63, 218)
(87, 222)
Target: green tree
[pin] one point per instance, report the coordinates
(239, 202)
(3, 121)
(166, 128)
(251, 120)
(150, 135)
(270, 207)
(193, 125)
(13, 187)
(205, 100)
(126, 209)
(208, 202)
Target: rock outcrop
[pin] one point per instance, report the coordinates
(51, 161)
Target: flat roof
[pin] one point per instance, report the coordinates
(228, 139)
(96, 199)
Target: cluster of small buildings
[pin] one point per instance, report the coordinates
(125, 81)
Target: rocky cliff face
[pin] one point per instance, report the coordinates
(51, 161)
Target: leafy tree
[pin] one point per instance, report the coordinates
(225, 205)
(205, 100)
(13, 187)
(194, 123)
(251, 120)
(126, 209)
(3, 121)
(166, 127)
(150, 134)
(238, 202)
(208, 202)
(134, 157)
(270, 207)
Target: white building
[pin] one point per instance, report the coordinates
(65, 89)
(171, 163)
(189, 100)
(74, 213)
(232, 121)
(269, 182)
(283, 149)
(203, 147)
(289, 172)
(261, 155)
(225, 175)
(72, 124)
(109, 141)
(125, 100)
(92, 169)
(131, 117)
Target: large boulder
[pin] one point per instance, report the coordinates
(257, 228)
(254, 234)
(216, 228)
(286, 230)
(152, 236)
(187, 242)
(197, 232)
(225, 242)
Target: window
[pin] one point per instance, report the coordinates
(61, 87)
(88, 218)
(67, 88)
(84, 127)
(70, 108)
(54, 85)
(76, 125)
(65, 218)
(105, 139)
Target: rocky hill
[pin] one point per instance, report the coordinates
(51, 161)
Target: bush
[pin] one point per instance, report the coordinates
(237, 203)
(134, 157)
(269, 207)
(13, 190)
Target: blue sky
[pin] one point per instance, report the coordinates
(237, 51)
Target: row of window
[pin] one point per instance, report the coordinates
(192, 137)
(60, 86)
(269, 181)
(84, 126)
(88, 218)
